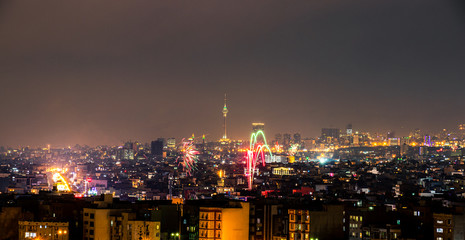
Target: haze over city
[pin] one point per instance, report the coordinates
(104, 72)
(232, 120)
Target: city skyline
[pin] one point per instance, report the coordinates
(161, 69)
(227, 120)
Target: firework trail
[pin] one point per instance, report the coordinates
(255, 153)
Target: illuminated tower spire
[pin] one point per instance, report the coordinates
(225, 113)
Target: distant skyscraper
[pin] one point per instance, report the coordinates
(297, 138)
(330, 132)
(171, 143)
(349, 129)
(416, 133)
(225, 113)
(391, 134)
(157, 147)
(258, 126)
(278, 138)
(286, 140)
(462, 130)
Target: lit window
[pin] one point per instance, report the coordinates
(439, 230)
(30, 235)
(440, 222)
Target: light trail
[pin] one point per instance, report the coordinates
(255, 153)
(62, 184)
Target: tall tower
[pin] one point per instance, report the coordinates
(225, 113)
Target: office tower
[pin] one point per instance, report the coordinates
(349, 130)
(391, 134)
(171, 142)
(157, 148)
(130, 145)
(127, 152)
(330, 133)
(462, 130)
(417, 133)
(297, 138)
(258, 126)
(286, 140)
(278, 138)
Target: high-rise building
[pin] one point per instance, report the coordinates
(417, 133)
(286, 140)
(297, 138)
(462, 130)
(330, 132)
(349, 130)
(127, 152)
(171, 142)
(278, 138)
(225, 113)
(157, 147)
(391, 134)
(258, 126)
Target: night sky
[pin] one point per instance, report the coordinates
(103, 72)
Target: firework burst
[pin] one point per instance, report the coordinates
(293, 149)
(189, 156)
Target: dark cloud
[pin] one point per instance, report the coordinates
(101, 72)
